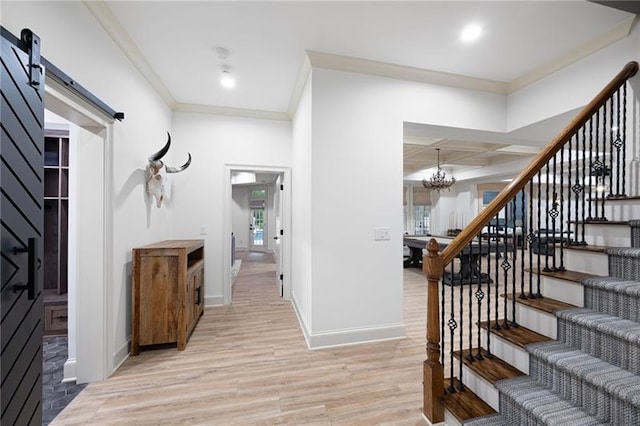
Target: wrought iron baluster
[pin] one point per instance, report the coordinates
(570, 188)
(618, 145)
(624, 138)
(546, 221)
(532, 240)
(496, 325)
(589, 186)
(475, 273)
(453, 324)
(537, 294)
(554, 212)
(505, 265)
(596, 167)
(583, 194)
(562, 238)
(442, 320)
(611, 147)
(479, 296)
(461, 333)
(489, 282)
(514, 259)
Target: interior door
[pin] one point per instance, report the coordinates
(21, 214)
(257, 228)
(277, 247)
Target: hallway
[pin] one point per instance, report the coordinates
(248, 363)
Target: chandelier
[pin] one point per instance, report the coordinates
(438, 181)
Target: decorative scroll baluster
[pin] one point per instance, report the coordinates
(611, 147)
(624, 135)
(474, 273)
(596, 168)
(479, 296)
(562, 238)
(583, 193)
(589, 188)
(532, 240)
(453, 324)
(496, 324)
(570, 188)
(618, 145)
(546, 221)
(505, 265)
(489, 291)
(605, 170)
(539, 234)
(553, 212)
(514, 258)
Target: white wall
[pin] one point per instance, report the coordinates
(240, 218)
(216, 141)
(301, 217)
(356, 162)
(75, 43)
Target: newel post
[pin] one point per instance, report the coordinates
(433, 371)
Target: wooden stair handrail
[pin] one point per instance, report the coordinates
(475, 226)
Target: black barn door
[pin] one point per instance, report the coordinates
(21, 224)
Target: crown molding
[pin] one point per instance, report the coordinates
(298, 87)
(400, 72)
(230, 111)
(101, 11)
(615, 34)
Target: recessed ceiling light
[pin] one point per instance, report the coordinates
(471, 33)
(227, 80)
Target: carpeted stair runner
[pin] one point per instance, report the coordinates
(635, 232)
(591, 374)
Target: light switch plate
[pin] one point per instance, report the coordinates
(382, 234)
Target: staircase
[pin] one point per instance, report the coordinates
(545, 331)
(589, 374)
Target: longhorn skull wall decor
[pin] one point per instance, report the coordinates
(157, 172)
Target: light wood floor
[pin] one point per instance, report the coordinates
(248, 364)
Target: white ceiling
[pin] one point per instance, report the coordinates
(174, 44)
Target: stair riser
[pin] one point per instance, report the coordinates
(562, 290)
(608, 235)
(596, 263)
(449, 419)
(533, 319)
(507, 352)
(622, 210)
(482, 388)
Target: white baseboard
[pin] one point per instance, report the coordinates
(346, 337)
(447, 416)
(120, 356)
(355, 336)
(210, 301)
(69, 370)
(303, 325)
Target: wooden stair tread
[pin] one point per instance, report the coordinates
(465, 405)
(567, 275)
(545, 304)
(519, 336)
(491, 368)
(593, 248)
(600, 222)
(622, 198)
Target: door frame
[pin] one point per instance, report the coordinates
(227, 225)
(98, 329)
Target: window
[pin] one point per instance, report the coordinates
(421, 216)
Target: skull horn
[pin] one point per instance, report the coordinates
(158, 155)
(181, 168)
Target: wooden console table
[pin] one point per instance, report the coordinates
(167, 292)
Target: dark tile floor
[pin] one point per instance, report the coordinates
(55, 394)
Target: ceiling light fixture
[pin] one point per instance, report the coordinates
(226, 79)
(438, 180)
(471, 33)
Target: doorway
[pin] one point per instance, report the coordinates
(90, 346)
(265, 219)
